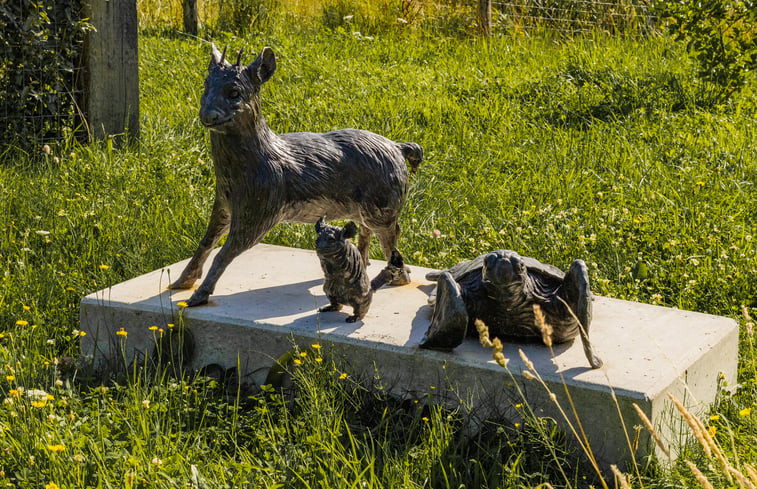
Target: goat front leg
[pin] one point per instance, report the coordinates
(238, 241)
(399, 273)
(220, 217)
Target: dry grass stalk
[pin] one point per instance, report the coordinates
(544, 327)
(701, 478)
(651, 430)
(752, 473)
(693, 424)
(740, 478)
(483, 334)
(620, 477)
(747, 321)
(529, 364)
(719, 455)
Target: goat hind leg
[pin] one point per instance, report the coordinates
(389, 236)
(364, 243)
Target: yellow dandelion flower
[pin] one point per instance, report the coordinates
(343, 376)
(170, 325)
(304, 354)
(52, 485)
(56, 448)
(10, 378)
(700, 183)
(519, 405)
(49, 397)
(318, 359)
(712, 430)
(424, 419)
(745, 412)
(39, 404)
(715, 417)
(104, 266)
(182, 304)
(122, 332)
(297, 361)
(315, 346)
(82, 334)
(153, 328)
(26, 308)
(14, 393)
(160, 331)
(22, 322)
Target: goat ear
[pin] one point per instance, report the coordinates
(263, 67)
(349, 231)
(319, 225)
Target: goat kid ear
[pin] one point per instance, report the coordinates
(263, 67)
(319, 225)
(349, 231)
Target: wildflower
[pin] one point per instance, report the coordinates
(745, 412)
(52, 485)
(153, 328)
(519, 405)
(56, 448)
(700, 183)
(297, 361)
(315, 346)
(318, 359)
(424, 419)
(46, 149)
(58, 383)
(26, 308)
(712, 430)
(22, 322)
(343, 376)
(104, 266)
(156, 461)
(78, 458)
(304, 354)
(9, 378)
(14, 393)
(715, 417)
(102, 390)
(39, 404)
(182, 304)
(146, 404)
(436, 233)
(122, 332)
(170, 325)
(82, 334)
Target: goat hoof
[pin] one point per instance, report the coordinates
(198, 299)
(352, 319)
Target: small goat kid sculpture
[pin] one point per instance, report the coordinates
(263, 178)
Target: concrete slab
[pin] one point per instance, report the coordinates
(267, 299)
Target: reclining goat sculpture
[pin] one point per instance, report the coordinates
(263, 178)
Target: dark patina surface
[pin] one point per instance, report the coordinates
(264, 178)
(501, 288)
(346, 281)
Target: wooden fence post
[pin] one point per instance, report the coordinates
(189, 10)
(485, 16)
(111, 75)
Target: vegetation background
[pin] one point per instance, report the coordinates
(604, 145)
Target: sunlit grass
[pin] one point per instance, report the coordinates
(589, 149)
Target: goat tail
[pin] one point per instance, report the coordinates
(413, 153)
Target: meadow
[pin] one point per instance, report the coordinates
(600, 147)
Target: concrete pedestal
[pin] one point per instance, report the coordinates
(267, 301)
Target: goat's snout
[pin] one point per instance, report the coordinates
(210, 117)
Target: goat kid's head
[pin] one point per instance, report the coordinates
(331, 239)
(233, 91)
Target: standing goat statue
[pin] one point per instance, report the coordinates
(263, 178)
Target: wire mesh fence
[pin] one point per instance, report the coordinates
(574, 16)
(40, 71)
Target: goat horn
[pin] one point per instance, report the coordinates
(239, 57)
(223, 55)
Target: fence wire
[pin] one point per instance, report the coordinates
(573, 16)
(40, 70)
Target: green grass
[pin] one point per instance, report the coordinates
(593, 148)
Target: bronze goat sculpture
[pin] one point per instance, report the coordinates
(264, 178)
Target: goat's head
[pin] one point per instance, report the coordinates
(232, 92)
